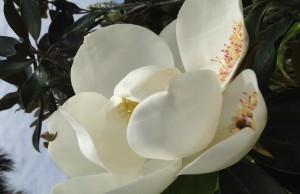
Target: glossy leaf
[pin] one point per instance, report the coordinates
(35, 122)
(14, 20)
(288, 181)
(59, 25)
(264, 61)
(295, 59)
(31, 15)
(16, 79)
(193, 184)
(66, 6)
(281, 139)
(8, 68)
(284, 105)
(293, 31)
(34, 87)
(253, 21)
(73, 39)
(44, 43)
(245, 177)
(22, 52)
(7, 45)
(38, 128)
(9, 100)
(84, 22)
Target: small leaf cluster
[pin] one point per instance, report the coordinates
(39, 65)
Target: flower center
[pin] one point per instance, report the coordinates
(232, 51)
(126, 108)
(245, 112)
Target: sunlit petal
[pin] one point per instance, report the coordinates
(242, 121)
(110, 53)
(101, 132)
(153, 178)
(145, 81)
(64, 150)
(178, 122)
(168, 34)
(215, 38)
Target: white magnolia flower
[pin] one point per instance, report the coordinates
(140, 117)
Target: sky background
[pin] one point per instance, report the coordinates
(34, 172)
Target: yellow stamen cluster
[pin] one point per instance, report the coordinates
(232, 51)
(245, 112)
(126, 108)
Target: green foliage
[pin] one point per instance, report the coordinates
(31, 15)
(8, 68)
(41, 73)
(7, 45)
(193, 184)
(245, 177)
(9, 100)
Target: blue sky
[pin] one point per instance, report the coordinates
(34, 172)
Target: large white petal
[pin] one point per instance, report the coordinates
(64, 150)
(101, 132)
(110, 53)
(203, 27)
(168, 34)
(231, 144)
(178, 122)
(153, 178)
(145, 81)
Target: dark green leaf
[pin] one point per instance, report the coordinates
(59, 25)
(22, 52)
(293, 31)
(38, 128)
(288, 2)
(34, 87)
(73, 39)
(246, 178)
(66, 6)
(288, 181)
(16, 79)
(253, 21)
(34, 123)
(9, 100)
(43, 8)
(284, 105)
(7, 45)
(265, 57)
(31, 15)
(193, 184)
(14, 20)
(286, 155)
(8, 68)
(281, 139)
(295, 58)
(84, 22)
(53, 13)
(44, 43)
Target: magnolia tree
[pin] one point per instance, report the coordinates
(173, 96)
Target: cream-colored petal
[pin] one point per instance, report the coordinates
(230, 144)
(153, 178)
(204, 29)
(178, 122)
(101, 132)
(168, 34)
(110, 53)
(145, 81)
(65, 152)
